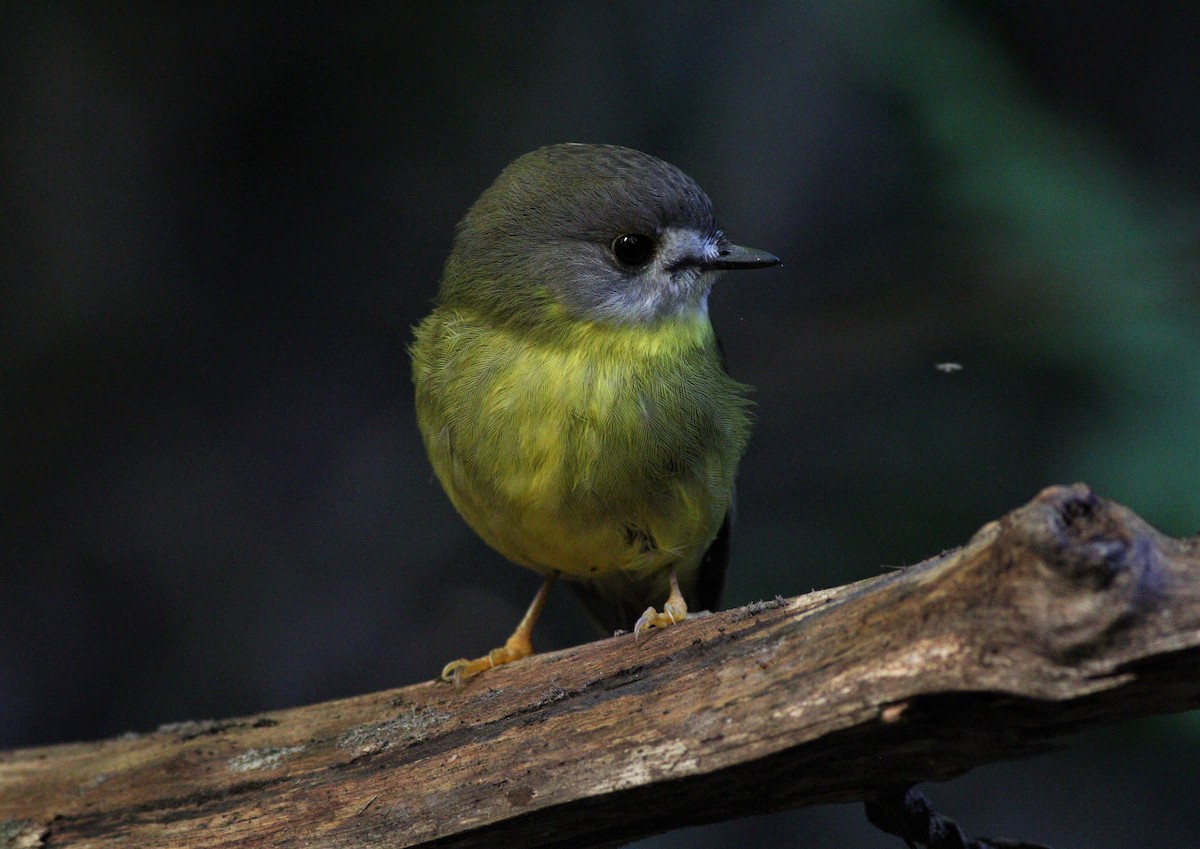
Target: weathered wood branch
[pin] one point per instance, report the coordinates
(1068, 612)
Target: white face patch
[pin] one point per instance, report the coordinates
(671, 285)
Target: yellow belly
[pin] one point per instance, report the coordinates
(589, 451)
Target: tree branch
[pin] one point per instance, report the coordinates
(1068, 612)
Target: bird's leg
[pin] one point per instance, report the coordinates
(674, 610)
(519, 645)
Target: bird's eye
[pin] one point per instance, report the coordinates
(633, 249)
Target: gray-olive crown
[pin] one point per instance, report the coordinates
(609, 233)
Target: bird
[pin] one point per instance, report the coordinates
(571, 392)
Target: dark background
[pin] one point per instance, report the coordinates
(218, 226)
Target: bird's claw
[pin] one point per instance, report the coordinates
(672, 614)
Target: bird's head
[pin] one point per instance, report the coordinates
(595, 233)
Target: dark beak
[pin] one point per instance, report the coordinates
(735, 256)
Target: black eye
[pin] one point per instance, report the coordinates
(633, 249)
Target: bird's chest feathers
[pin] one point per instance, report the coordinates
(591, 419)
(570, 452)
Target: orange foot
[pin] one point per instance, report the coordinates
(674, 611)
(519, 645)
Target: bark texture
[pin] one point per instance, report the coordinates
(1066, 613)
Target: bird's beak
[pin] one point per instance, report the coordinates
(735, 256)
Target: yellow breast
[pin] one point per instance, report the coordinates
(585, 450)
